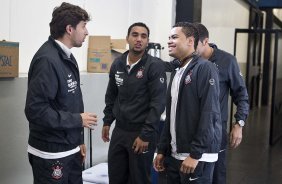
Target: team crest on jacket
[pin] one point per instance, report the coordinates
(212, 81)
(140, 73)
(162, 80)
(188, 78)
(57, 170)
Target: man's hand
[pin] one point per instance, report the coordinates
(236, 136)
(140, 146)
(159, 163)
(88, 120)
(106, 133)
(189, 165)
(83, 152)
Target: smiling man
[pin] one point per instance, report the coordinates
(54, 106)
(135, 98)
(191, 137)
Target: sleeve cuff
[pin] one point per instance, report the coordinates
(195, 156)
(144, 138)
(107, 124)
(82, 136)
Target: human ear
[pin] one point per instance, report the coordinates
(206, 41)
(68, 29)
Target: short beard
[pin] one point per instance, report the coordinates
(77, 45)
(137, 52)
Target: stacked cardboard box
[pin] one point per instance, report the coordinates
(102, 50)
(118, 47)
(9, 59)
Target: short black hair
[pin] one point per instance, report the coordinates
(66, 14)
(189, 30)
(203, 31)
(140, 24)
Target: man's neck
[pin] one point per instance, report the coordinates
(185, 59)
(208, 53)
(65, 41)
(133, 58)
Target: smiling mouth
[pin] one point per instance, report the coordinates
(171, 47)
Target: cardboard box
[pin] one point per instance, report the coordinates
(118, 47)
(98, 62)
(119, 44)
(99, 54)
(102, 51)
(99, 42)
(9, 59)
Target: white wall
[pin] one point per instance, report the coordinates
(4, 19)
(159, 16)
(278, 13)
(221, 17)
(27, 22)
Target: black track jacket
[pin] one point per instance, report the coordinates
(54, 100)
(136, 100)
(198, 123)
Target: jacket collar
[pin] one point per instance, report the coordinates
(64, 48)
(188, 69)
(214, 54)
(61, 52)
(141, 62)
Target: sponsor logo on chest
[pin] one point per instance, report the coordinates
(72, 84)
(118, 78)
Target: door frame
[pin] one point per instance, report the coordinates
(273, 138)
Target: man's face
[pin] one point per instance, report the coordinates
(180, 46)
(138, 39)
(78, 34)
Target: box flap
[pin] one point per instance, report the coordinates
(99, 42)
(120, 50)
(118, 43)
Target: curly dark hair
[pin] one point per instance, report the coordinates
(189, 30)
(66, 14)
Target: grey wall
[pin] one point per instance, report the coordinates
(94, 88)
(14, 167)
(14, 132)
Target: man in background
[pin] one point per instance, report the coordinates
(54, 106)
(231, 82)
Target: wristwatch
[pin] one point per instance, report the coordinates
(241, 123)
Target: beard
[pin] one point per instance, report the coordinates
(76, 44)
(137, 52)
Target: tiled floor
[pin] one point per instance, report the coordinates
(254, 161)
